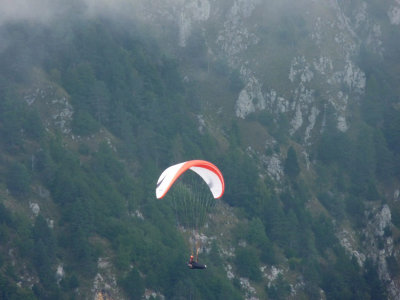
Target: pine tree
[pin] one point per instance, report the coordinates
(291, 166)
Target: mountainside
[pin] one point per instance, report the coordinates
(297, 103)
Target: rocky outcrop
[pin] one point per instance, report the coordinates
(319, 71)
(379, 246)
(105, 281)
(394, 13)
(192, 12)
(35, 208)
(54, 104)
(250, 98)
(60, 273)
(350, 244)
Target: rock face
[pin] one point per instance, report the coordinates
(394, 13)
(316, 73)
(60, 273)
(296, 61)
(35, 208)
(295, 70)
(54, 103)
(322, 61)
(380, 248)
(301, 72)
(348, 241)
(377, 246)
(192, 12)
(105, 280)
(338, 73)
(250, 99)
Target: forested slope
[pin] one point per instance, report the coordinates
(92, 110)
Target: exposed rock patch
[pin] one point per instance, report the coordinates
(394, 13)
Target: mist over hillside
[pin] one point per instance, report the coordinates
(297, 103)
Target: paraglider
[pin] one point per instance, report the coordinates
(209, 172)
(194, 264)
(192, 199)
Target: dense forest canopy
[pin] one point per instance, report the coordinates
(128, 112)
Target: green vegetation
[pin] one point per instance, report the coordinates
(123, 87)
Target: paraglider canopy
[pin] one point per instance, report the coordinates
(209, 172)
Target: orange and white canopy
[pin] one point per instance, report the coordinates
(209, 172)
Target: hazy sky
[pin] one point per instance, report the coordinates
(31, 10)
(47, 10)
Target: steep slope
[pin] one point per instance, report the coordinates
(320, 77)
(296, 104)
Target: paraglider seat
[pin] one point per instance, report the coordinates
(196, 265)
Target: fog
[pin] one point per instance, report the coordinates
(59, 15)
(27, 10)
(45, 11)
